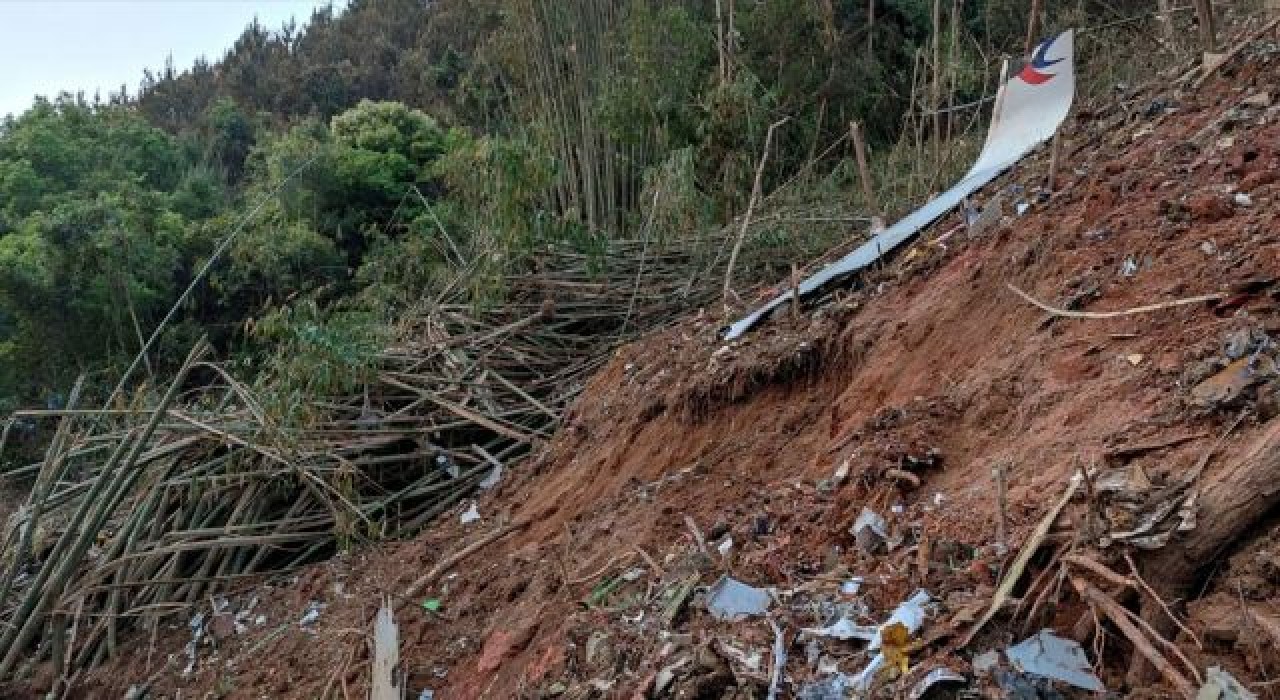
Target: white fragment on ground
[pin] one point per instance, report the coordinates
(1050, 656)
(730, 599)
(472, 514)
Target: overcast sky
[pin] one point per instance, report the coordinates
(48, 46)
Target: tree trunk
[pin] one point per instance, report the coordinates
(1230, 504)
(1208, 30)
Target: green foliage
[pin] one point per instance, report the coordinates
(397, 145)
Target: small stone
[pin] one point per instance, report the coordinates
(1208, 248)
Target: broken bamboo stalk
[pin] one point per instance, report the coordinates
(1029, 548)
(1149, 308)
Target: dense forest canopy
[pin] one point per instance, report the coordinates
(354, 155)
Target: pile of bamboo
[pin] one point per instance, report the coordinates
(139, 512)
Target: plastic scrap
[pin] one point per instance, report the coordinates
(431, 605)
(1048, 655)
(731, 599)
(1220, 685)
(933, 678)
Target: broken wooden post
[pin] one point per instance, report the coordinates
(1032, 26)
(1001, 472)
(1055, 150)
(864, 171)
(751, 205)
(1208, 31)
(1166, 21)
(936, 89)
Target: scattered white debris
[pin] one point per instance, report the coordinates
(852, 586)
(725, 546)
(1243, 200)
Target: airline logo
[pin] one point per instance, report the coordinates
(1034, 72)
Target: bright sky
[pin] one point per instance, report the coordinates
(48, 46)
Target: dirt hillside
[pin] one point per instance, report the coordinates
(906, 396)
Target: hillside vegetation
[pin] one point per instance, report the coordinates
(358, 156)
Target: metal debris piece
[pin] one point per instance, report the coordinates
(910, 614)
(667, 676)
(312, 615)
(494, 477)
(1050, 656)
(871, 531)
(935, 677)
(730, 599)
(833, 687)
(472, 514)
(1220, 685)
(1016, 686)
(779, 660)
(386, 655)
(1182, 508)
(752, 660)
(844, 629)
